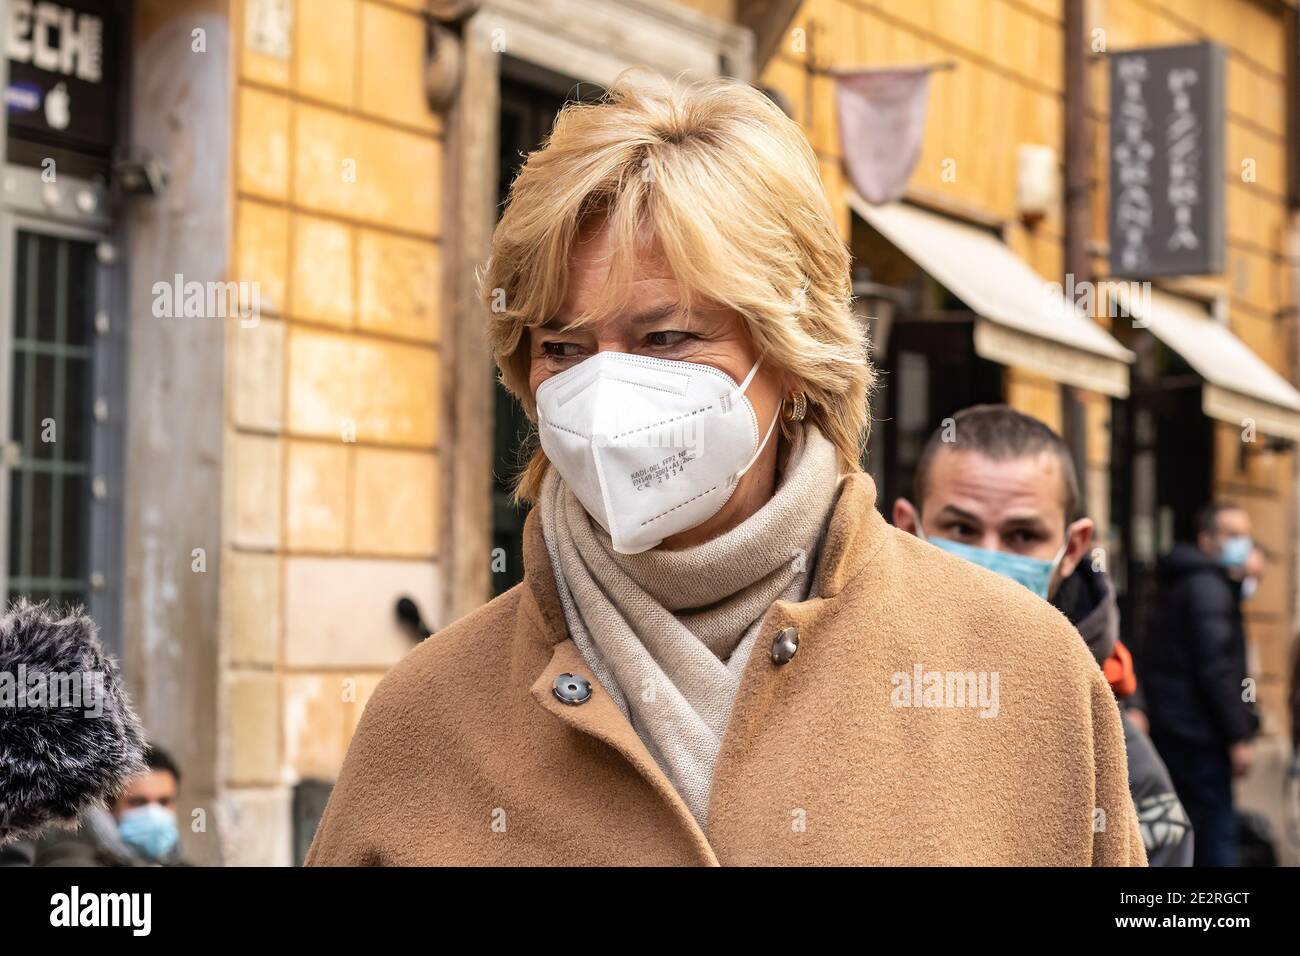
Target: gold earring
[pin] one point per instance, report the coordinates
(795, 407)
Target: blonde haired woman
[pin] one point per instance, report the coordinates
(705, 661)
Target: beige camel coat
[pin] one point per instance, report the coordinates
(933, 713)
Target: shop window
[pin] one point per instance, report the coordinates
(50, 419)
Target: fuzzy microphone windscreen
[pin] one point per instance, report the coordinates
(68, 736)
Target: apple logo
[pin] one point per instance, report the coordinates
(57, 101)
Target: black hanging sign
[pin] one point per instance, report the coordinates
(1166, 211)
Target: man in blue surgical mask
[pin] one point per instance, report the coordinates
(999, 488)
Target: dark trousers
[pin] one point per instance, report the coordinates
(1202, 777)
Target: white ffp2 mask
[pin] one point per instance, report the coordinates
(651, 447)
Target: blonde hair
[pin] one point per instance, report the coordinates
(725, 185)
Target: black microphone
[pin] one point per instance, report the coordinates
(68, 736)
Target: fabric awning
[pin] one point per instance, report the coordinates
(1239, 384)
(1022, 319)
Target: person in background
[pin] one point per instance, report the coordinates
(137, 829)
(1194, 671)
(1002, 492)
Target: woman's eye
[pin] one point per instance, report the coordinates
(667, 338)
(561, 349)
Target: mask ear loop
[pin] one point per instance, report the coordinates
(761, 445)
(1056, 562)
(729, 400)
(727, 406)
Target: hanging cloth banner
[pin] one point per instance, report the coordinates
(882, 125)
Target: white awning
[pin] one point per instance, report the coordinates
(1239, 385)
(1022, 319)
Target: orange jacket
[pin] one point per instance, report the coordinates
(1119, 671)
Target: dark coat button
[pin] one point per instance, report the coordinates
(572, 689)
(784, 645)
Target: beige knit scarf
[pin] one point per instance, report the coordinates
(667, 633)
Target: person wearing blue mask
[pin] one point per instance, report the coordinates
(999, 489)
(146, 810)
(137, 829)
(1194, 668)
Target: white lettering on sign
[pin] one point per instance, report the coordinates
(1183, 133)
(1133, 153)
(56, 39)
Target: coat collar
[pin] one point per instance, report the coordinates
(855, 533)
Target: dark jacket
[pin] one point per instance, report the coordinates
(93, 843)
(1194, 664)
(18, 853)
(1166, 828)
(1087, 598)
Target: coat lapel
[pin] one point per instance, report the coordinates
(543, 621)
(855, 534)
(600, 718)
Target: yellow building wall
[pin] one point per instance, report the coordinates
(333, 400)
(1004, 90)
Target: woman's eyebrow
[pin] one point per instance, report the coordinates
(655, 313)
(560, 323)
(557, 323)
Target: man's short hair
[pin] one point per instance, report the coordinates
(1001, 433)
(155, 758)
(1207, 518)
